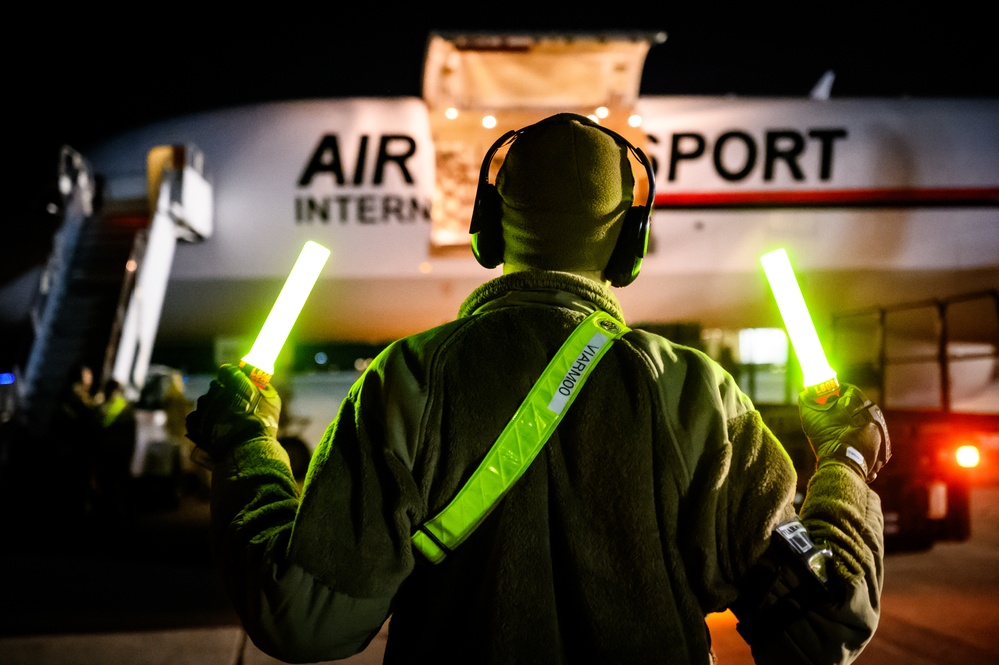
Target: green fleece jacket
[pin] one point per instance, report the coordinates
(645, 511)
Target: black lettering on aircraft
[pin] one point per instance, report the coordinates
(676, 154)
(365, 209)
(826, 137)
(327, 158)
(735, 153)
(400, 159)
(787, 146)
(748, 162)
(362, 154)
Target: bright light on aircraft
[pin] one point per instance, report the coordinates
(488, 121)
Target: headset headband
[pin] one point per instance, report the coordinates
(513, 134)
(632, 243)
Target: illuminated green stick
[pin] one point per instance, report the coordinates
(259, 362)
(820, 378)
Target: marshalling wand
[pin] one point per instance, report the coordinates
(821, 384)
(819, 378)
(258, 364)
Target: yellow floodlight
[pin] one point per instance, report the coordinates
(259, 362)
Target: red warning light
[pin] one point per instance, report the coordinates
(967, 456)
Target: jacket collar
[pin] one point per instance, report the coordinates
(543, 287)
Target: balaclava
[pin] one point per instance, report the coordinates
(564, 188)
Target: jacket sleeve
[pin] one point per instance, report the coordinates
(313, 577)
(798, 621)
(786, 615)
(741, 485)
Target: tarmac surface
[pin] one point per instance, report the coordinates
(144, 591)
(136, 591)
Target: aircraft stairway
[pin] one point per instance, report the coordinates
(82, 296)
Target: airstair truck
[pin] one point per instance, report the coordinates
(94, 297)
(100, 294)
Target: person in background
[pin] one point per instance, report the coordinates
(73, 438)
(114, 451)
(660, 497)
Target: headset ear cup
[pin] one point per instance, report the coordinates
(629, 250)
(633, 242)
(487, 236)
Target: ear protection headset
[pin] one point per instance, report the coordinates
(629, 250)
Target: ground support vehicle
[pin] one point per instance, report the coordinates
(932, 365)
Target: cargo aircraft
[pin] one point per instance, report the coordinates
(889, 209)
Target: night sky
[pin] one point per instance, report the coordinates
(77, 79)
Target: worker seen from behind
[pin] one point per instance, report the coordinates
(602, 523)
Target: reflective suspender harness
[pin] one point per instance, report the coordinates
(522, 438)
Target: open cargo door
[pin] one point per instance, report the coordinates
(479, 86)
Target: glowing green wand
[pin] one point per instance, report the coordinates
(820, 378)
(259, 362)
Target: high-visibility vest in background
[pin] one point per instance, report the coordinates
(522, 438)
(112, 409)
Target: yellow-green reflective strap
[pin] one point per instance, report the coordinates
(522, 438)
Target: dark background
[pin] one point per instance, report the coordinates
(79, 78)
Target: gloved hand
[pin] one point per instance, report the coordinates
(848, 429)
(233, 410)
